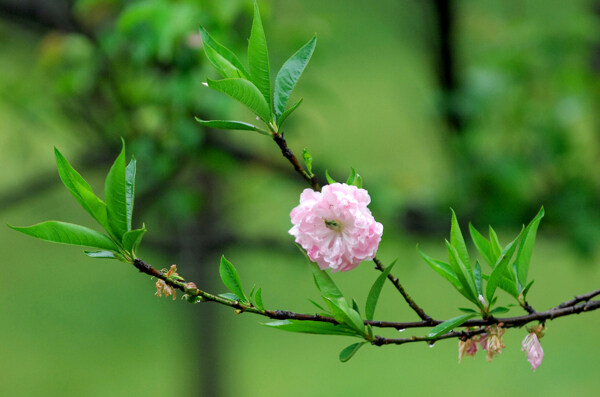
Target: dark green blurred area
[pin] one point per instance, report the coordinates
(514, 126)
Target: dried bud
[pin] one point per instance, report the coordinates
(493, 341)
(467, 348)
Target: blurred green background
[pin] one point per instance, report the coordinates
(486, 106)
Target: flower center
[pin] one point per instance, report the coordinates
(333, 225)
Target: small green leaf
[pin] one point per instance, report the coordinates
(317, 305)
(244, 92)
(355, 306)
(443, 269)
(330, 180)
(81, 190)
(101, 254)
(115, 192)
(325, 284)
(526, 289)
(258, 58)
(131, 239)
(458, 242)
(258, 300)
(464, 275)
(229, 295)
(227, 61)
(230, 125)
(344, 314)
(350, 351)
(231, 279)
(289, 74)
(68, 233)
(375, 291)
(467, 310)
(130, 190)
(482, 245)
(312, 327)
(499, 310)
(508, 285)
(526, 248)
(287, 113)
(449, 325)
(478, 279)
(354, 179)
(495, 246)
(500, 268)
(308, 161)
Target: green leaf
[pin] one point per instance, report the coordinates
(500, 268)
(325, 284)
(355, 306)
(244, 92)
(344, 314)
(221, 57)
(482, 245)
(350, 351)
(495, 246)
(467, 310)
(115, 192)
(289, 74)
(230, 125)
(289, 111)
(68, 233)
(231, 279)
(449, 325)
(354, 179)
(526, 289)
(258, 58)
(101, 254)
(317, 305)
(130, 190)
(330, 180)
(131, 239)
(458, 242)
(526, 248)
(444, 270)
(229, 295)
(508, 285)
(312, 327)
(499, 310)
(375, 291)
(478, 279)
(258, 300)
(308, 161)
(81, 190)
(464, 275)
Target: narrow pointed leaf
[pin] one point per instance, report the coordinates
(258, 58)
(325, 284)
(500, 268)
(258, 300)
(462, 273)
(68, 233)
(244, 92)
(81, 190)
(330, 180)
(115, 192)
(444, 270)
(289, 111)
(458, 242)
(482, 245)
(317, 305)
(495, 246)
(499, 310)
(289, 74)
(230, 125)
(231, 279)
(312, 327)
(350, 351)
(355, 306)
(478, 278)
(526, 289)
(526, 248)
(209, 43)
(308, 161)
(101, 254)
(449, 325)
(230, 296)
(375, 291)
(344, 314)
(131, 239)
(130, 190)
(508, 285)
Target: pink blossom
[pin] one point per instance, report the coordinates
(335, 227)
(535, 353)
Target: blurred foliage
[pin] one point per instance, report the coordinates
(528, 97)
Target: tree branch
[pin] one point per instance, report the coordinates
(564, 309)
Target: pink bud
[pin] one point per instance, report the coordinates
(535, 353)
